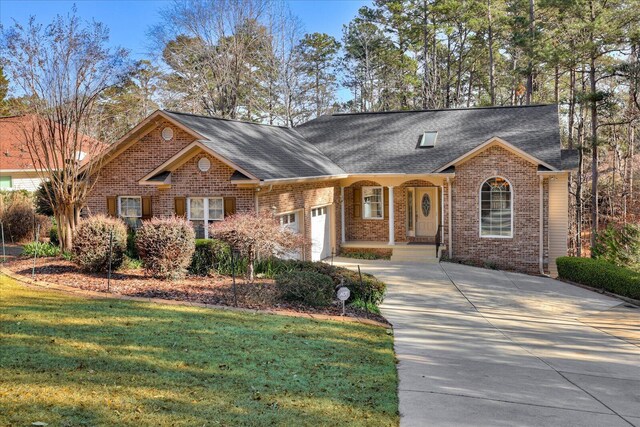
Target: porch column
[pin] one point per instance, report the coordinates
(342, 230)
(392, 237)
(449, 230)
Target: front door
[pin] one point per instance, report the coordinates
(426, 211)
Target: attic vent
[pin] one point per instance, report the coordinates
(428, 139)
(167, 133)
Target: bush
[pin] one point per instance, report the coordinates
(132, 251)
(600, 274)
(41, 199)
(619, 245)
(208, 256)
(308, 287)
(91, 243)
(53, 235)
(254, 234)
(20, 222)
(166, 246)
(40, 249)
(370, 291)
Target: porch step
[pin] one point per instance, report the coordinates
(415, 253)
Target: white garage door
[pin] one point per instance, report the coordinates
(291, 221)
(320, 238)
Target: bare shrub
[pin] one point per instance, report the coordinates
(20, 222)
(165, 246)
(91, 243)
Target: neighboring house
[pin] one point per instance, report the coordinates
(481, 184)
(16, 168)
(17, 171)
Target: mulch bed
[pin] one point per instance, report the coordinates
(218, 290)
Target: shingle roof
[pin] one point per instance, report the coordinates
(267, 152)
(14, 151)
(386, 142)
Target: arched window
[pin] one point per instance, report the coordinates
(496, 208)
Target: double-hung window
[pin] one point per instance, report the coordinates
(496, 208)
(130, 210)
(372, 202)
(202, 211)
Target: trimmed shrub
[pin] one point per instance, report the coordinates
(91, 243)
(370, 291)
(20, 222)
(166, 246)
(208, 255)
(308, 287)
(600, 274)
(40, 249)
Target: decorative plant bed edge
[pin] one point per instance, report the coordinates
(103, 295)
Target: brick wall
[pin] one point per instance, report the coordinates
(518, 253)
(303, 197)
(120, 177)
(359, 228)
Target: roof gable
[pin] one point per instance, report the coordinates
(386, 142)
(495, 141)
(263, 151)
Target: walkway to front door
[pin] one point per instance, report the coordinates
(482, 347)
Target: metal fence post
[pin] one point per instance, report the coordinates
(233, 277)
(35, 252)
(110, 260)
(4, 251)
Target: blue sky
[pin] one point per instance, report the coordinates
(129, 21)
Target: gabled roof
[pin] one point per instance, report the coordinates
(386, 142)
(266, 152)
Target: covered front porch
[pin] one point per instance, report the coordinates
(403, 216)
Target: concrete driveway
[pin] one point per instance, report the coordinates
(481, 347)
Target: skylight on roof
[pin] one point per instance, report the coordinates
(428, 139)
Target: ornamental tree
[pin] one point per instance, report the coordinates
(256, 234)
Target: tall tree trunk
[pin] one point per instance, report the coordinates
(448, 84)
(425, 55)
(594, 150)
(556, 85)
(572, 104)
(532, 26)
(492, 65)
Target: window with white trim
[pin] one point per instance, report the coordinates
(289, 221)
(496, 208)
(372, 202)
(130, 210)
(202, 211)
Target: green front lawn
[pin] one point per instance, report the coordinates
(72, 361)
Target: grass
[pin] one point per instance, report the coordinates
(74, 361)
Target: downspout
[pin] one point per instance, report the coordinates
(541, 231)
(255, 200)
(449, 231)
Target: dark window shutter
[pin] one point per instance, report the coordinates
(386, 202)
(357, 202)
(146, 208)
(180, 205)
(112, 206)
(229, 206)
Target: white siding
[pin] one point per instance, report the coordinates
(23, 180)
(558, 220)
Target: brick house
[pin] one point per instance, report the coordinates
(477, 184)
